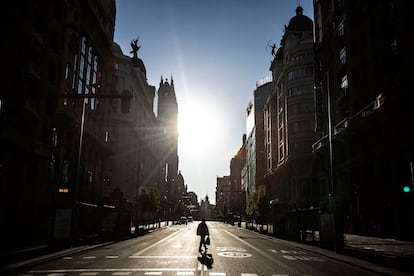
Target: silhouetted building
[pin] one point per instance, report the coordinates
(134, 133)
(223, 185)
(363, 68)
(237, 194)
(289, 130)
(52, 146)
(167, 116)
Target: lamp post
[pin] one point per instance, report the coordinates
(338, 243)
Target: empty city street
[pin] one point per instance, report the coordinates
(174, 251)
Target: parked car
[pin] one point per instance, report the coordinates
(190, 219)
(182, 220)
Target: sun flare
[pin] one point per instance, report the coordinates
(198, 129)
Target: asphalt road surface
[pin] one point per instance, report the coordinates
(174, 251)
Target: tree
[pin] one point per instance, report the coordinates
(258, 204)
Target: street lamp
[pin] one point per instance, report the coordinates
(338, 243)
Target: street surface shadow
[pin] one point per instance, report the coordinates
(206, 259)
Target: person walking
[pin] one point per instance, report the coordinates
(202, 231)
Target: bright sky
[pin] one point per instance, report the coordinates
(216, 51)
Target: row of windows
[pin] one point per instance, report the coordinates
(304, 125)
(301, 108)
(302, 57)
(300, 73)
(84, 75)
(300, 147)
(300, 90)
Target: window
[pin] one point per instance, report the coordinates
(344, 82)
(54, 137)
(341, 28)
(302, 72)
(342, 55)
(67, 71)
(394, 46)
(300, 90)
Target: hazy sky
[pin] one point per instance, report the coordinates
(216, 51)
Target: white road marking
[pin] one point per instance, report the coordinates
(161, 257)
(121, 273)
(80, 270)
(231, 249)
(248, 274)
(67, 258)
(217, 274)
(178, 245)
(112, 257)
(89, 257)
(153, 273)
(157, 243)
(289, 257)
(234, 254)
(185, 273)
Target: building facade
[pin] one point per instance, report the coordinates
(52, 145)
(255, 160)
(289, 126)
(135, 162)
(364, 150)
(167, 117)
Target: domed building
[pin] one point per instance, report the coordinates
(300, 22)
(289, 124)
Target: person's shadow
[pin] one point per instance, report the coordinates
(206, 259)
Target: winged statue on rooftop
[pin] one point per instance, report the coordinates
(135, 47)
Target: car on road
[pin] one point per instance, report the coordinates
(182, 220)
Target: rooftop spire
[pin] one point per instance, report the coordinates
(299, 10)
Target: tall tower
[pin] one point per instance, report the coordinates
(167, 116)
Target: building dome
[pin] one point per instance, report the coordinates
(300, 22)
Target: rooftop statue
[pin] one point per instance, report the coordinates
(135, 47)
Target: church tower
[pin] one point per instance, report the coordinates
(167, 116)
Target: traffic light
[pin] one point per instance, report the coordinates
(406, 189)
(126, 101)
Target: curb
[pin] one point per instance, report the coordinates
(380, 264)
(43, 257)
(10, 268)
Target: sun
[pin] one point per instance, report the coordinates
(198, 128)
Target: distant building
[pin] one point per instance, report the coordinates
(237, 193)
(206, 209)
(223, 186)
(167, 116)
(255, 157)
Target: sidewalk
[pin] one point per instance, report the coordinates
(387, 252)
(390, 253)
(21, 258)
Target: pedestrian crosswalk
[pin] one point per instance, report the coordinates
(133, 272)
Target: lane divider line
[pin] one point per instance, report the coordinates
(157, 243)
